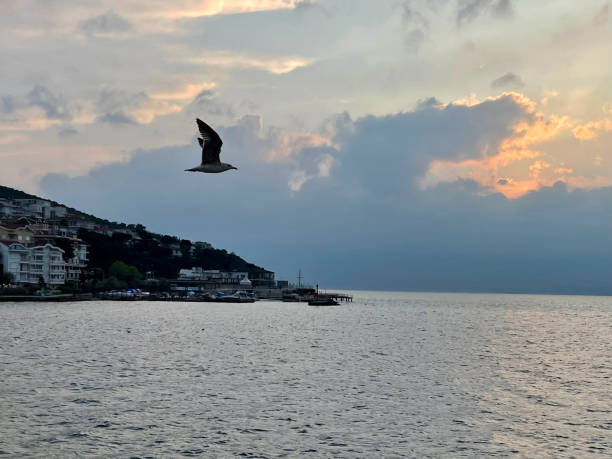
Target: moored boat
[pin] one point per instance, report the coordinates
(236, 297)
(323, 302)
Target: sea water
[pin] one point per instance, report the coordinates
(389, 375)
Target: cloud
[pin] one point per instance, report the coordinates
(421, 17)
(590, 130)
(414, 39)
(206, 103)
(188, 91)
(520, 152)
(55, 106)
(508, 80)
(192, 8)
(301, 5)
(106, 24)
(364, 178)
(603, 15)
(124, 107)
(67, 131)
(347, 233)
(116, 118)
(469, 10)
(276, 65)
(7, 104)
(502, 8)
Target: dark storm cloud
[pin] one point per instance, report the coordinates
(508, 80)
(104, 24)
(368, 225)
(54, 105)
(409, 141)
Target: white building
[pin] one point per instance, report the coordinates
(216, 276)
(74, 266)
(32, 208)
(29, 264)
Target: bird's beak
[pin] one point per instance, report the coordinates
(234, 168)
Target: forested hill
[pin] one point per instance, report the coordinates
(132, 244)
(11, 193)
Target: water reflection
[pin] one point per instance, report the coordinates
(392, 374)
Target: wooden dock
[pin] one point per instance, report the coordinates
(337, 296)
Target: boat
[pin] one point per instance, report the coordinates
(326, 301)
(291, 297)
(239, 296)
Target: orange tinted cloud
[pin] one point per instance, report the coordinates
(197, 8)
(521, 145)
(277, 65)
(188, 91)
(590, 130)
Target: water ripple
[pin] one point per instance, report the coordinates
(390, 375)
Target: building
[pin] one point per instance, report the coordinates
(199, 245)
(28, 265)
(31, 207)
(7, 209)
(15, 232)
(75, 265)
(176, 249)
(215, 276)
(262, 278)
(49, 232)
(199, 279)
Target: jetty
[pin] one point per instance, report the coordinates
(336, 297)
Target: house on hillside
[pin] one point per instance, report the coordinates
(28, 265)
(199, 245)
(176, 249)
(15, 232)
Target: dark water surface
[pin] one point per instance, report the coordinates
(390, 375)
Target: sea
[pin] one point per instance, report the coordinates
(392, 374)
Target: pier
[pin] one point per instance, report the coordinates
(337, 296)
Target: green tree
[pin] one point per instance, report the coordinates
(125, 272)
(110, 283)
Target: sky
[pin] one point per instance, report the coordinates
(444, 145)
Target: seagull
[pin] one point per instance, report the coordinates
(211, 148)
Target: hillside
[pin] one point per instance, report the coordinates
(148, 252)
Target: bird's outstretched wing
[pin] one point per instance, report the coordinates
(210, 142)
